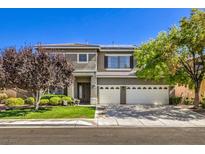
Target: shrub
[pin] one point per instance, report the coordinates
(12, 102)
(68, 99)
(44, 101)
(203, 105)
(188, 101)
(3, 96)
(49, 96)
(55, 101)
(30, 100)
(174, 100)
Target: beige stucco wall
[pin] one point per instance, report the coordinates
(16, 92)
(71, 55)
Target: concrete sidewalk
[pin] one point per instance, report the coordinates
(104, 122)
(122, 116)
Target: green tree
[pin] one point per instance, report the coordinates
(176, 56)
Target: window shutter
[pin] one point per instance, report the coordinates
(131, 61)
(106, 61)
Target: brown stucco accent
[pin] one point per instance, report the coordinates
(92, 57)
(122, 95)
(126, 81)
(91, 65)
(71, 57)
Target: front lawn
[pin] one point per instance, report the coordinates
(57, 112)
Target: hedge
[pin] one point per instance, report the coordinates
(174, 100)
(55, 101)
(44, 101)
(12, 102)
(30, 100)
(3, 96)
(49, 96)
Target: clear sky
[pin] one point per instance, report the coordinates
(96, 26)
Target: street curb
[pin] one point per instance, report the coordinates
(98, 127)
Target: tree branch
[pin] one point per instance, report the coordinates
(188, 68)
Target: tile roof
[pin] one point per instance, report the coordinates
(68, 45)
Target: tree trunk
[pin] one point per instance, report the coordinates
(197, 94)
(38, 95)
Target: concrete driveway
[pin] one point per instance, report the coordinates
(148, 116)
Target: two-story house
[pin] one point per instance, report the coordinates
(105, 74)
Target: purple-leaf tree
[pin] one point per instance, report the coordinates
(35, 71)
(2, 75)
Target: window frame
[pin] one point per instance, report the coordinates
(78, 58)
(118, 55)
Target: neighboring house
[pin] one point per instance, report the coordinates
(105, 74)
(186, 92)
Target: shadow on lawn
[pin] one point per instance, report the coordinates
(21, 112)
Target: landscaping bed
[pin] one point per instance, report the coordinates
(55, 112)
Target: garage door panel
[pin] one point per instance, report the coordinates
(109, 95)
(149, 94)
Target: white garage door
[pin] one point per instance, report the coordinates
(149, 94)
(109, 94)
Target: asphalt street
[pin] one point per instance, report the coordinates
(102, 136)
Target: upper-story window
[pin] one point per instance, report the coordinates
(82, 58)
(118, 61)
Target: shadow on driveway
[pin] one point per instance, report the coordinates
(151, 112)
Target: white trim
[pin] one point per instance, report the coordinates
(65, 52)
(117, 50)
(115, 76)
(118, 69)
(84, 71)
(115, 55)
(145, 85)
(96, 64)
(82, 61)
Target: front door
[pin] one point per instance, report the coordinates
(84, 92)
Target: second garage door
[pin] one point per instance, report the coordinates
(149, 94)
